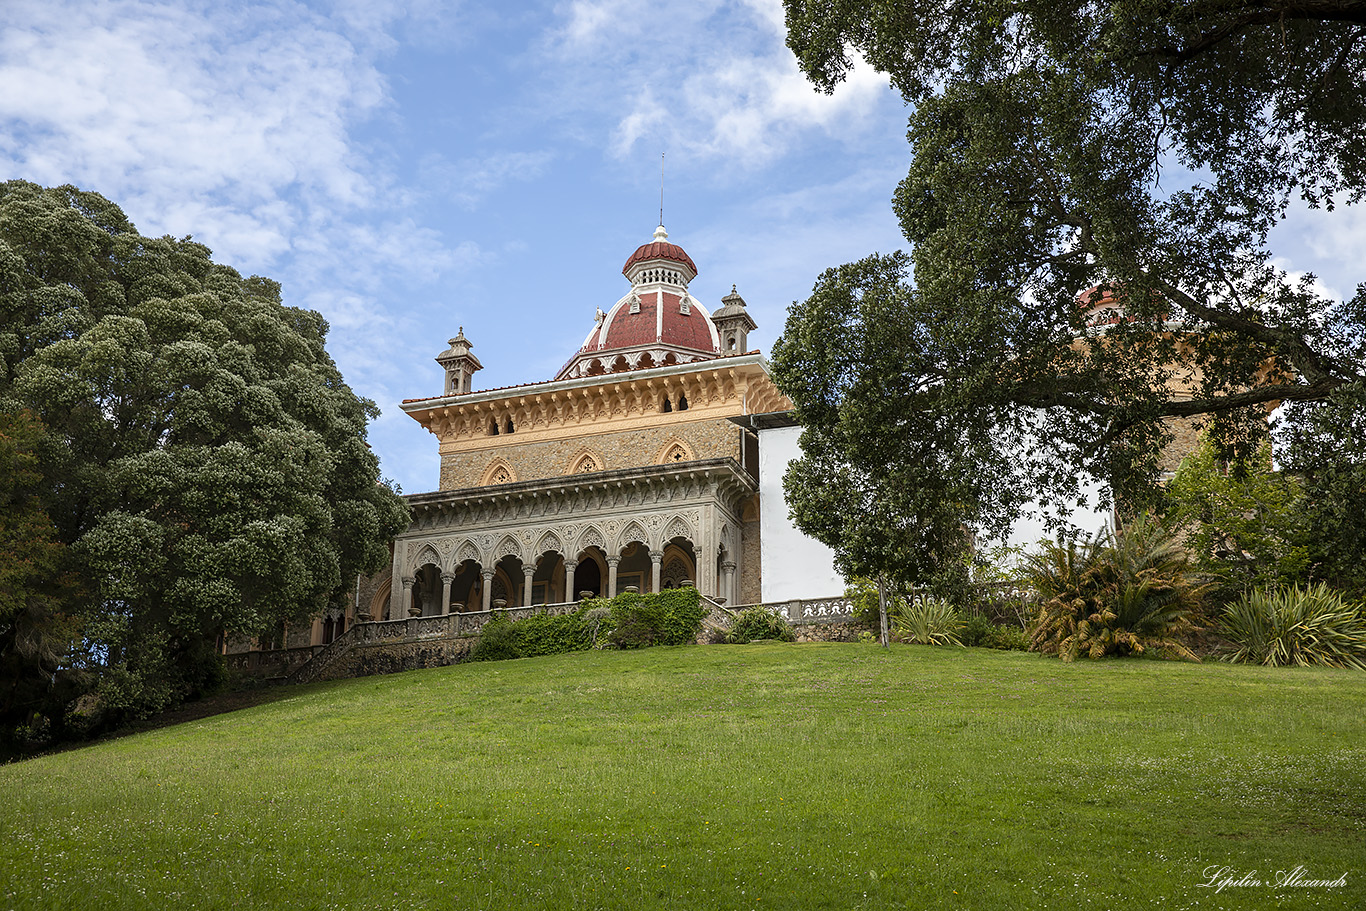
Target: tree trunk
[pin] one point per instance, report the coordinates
(882, 609)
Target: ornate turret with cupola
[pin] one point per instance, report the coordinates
(460, 364)
(733, 323)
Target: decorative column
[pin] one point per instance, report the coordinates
(407, 600)
(612, 562)
(569, 567)
(488, 588)
(656, 558)
(528, 572)
(728, 581)
(446, 580)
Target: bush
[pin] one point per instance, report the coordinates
(979, 632)
(498, 641)
(539, 634)
(671, 617)
(926, 621)
(1122, 594)
(627, 621)
(1300, 626)
(760, 623)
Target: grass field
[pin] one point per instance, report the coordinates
(761, 776)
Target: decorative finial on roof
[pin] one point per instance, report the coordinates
(661, 234)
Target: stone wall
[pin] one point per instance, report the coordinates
(750, 555)
(847, 630)
(391, 658)
(707, 439)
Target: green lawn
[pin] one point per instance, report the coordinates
(761, 776)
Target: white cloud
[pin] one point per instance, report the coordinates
(708, 81)
(469, 181)
(197, 121)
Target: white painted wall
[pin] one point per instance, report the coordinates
(793, 565)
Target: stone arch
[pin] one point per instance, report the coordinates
(586, 460)
(634, 531)
(675, 450)
(678, 527)
(508, 547)
(550, 542)
(498, 472)
(425, 554)
(677, 566)
(379, 602)
(467, 552)
(591, 537)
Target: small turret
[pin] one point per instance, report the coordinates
(459, 364)
(733, 323)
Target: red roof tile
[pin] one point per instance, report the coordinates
(659, 250)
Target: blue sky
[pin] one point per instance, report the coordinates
(406, 168)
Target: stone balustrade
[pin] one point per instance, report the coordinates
(410, 629)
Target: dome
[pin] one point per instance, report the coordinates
(658, 322)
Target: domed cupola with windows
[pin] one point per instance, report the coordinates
(657, 323)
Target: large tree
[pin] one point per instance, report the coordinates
(1142, 149)
(203, 460)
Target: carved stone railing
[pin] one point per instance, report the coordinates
(414, 629)
(807, 610)
(281, 660)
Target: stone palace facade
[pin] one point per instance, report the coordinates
(633, 466)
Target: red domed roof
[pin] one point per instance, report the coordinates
(659, 249)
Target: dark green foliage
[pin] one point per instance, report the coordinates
(1122, 594)
(759, 623)
(890, 489)
(672, 617)
(1296, 626)
(39, 629)
(203, 461)
(498, 641)
(1324, 445)
(1243, 523)
(539, 634)
(629, 620)
(1149, 148)
(979, 632)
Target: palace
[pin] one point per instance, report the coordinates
(638, 464)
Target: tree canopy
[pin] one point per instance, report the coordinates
(1090, 206)
(202, 461)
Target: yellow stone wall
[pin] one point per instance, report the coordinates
(645, 445)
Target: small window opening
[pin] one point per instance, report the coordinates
(730, 341)
(667, 406)
(493, 427)
(682, 402)
(507, 428)
(635, 305)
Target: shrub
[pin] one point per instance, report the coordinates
(926, 621)
(497, 641)
(671, 617)
(760, 623)
(978, 631)
(1301, 626)
(1122, 594)
(539, 634)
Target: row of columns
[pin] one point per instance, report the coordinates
(656, 563)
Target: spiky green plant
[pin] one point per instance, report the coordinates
(926, 621)
(1121, 594)
(1293, 625)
